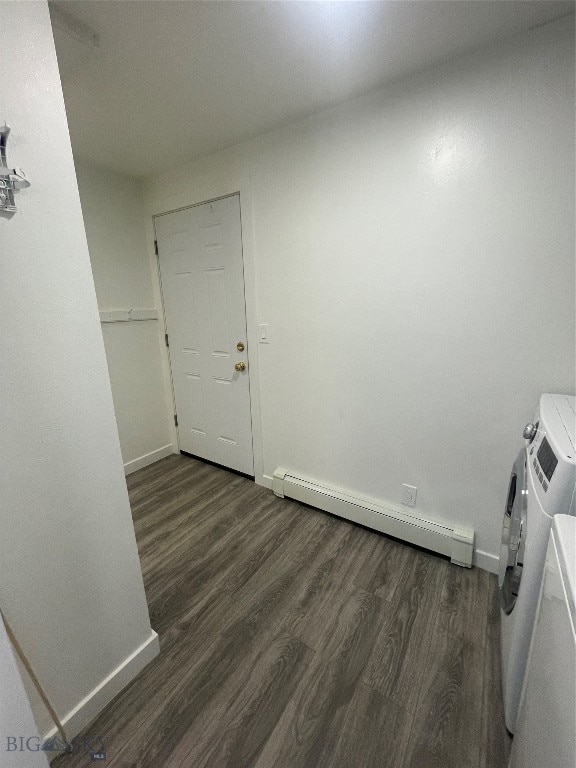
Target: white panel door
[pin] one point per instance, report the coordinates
(200, 253)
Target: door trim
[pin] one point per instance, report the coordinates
(197, 205)
(242, 190)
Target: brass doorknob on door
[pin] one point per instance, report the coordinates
(240, 366)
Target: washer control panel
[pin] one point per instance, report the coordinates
(552, 460)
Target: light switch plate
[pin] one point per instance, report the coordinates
(263, 333)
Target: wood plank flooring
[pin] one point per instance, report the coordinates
(292, 639)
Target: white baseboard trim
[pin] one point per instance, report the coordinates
(91, 706)
(148, 458)
(486, 561)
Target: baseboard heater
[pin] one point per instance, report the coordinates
(457, 542)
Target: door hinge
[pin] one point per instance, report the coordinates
(166, 339)
(175, 419)
(156, 247)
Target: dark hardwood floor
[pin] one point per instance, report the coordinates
(292, 639)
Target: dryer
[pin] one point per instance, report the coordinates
(545, 729)
(542, 484)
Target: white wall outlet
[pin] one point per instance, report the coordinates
(409, 495)
(263, 335)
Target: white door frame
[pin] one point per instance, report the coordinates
(217, 192)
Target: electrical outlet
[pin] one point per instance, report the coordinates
(409, 495)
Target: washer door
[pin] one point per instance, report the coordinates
(514, 532)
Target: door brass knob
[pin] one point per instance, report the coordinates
(240, 366)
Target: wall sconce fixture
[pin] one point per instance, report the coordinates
(11, 179)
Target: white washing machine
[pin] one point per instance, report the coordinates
(546, 726)
(542, 484)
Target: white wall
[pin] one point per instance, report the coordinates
(414, 257)
(115, 230)
(16, 719)
(70, 579)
